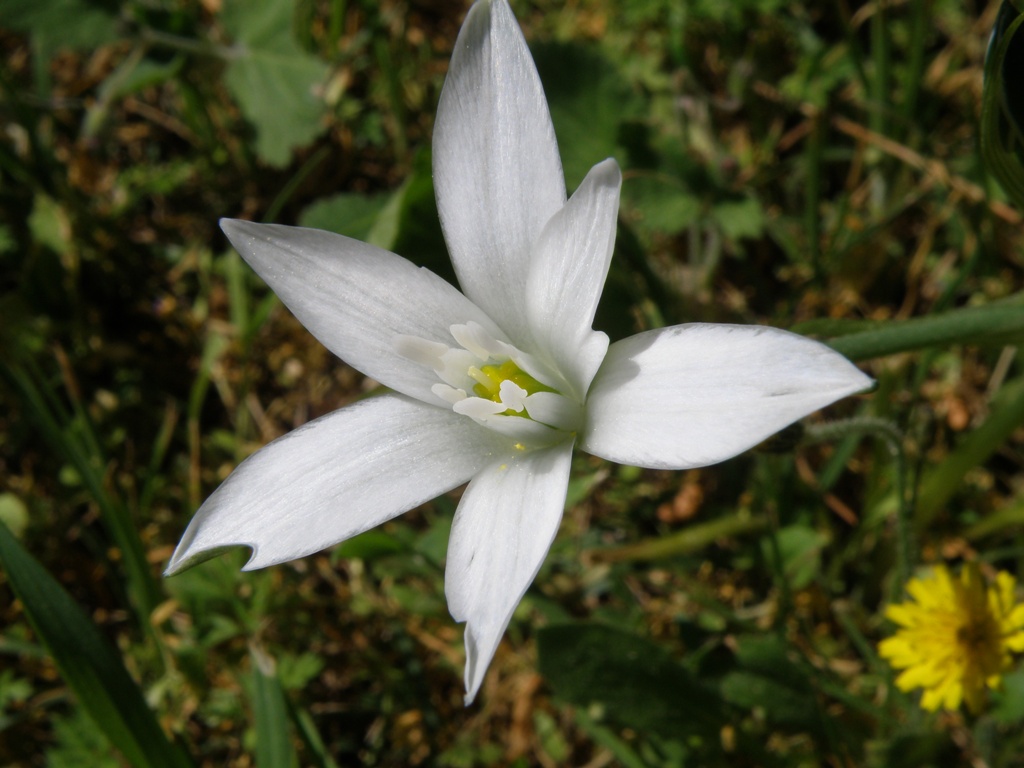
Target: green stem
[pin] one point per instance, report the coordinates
(812, 220)
(914, 73)
(274, 209)
(160, 39)
(686, 542)
(880, 75)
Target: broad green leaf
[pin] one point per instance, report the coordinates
(275, 82)
(348, 214)
(658, 204)
(90, 667)
(404, 221)
(589, 99)
(56, 24)
(738, 219)
(629, 679)
(1002, 102)
(1008, 699)
(50, 21)
(769, 680)
(270, 714)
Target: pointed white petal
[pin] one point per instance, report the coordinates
(503, 528)
(694, 395)
(357, 299)
(335, 477)
(497, 173)
(567, 273)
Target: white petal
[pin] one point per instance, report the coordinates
(497, 173)
(694, 395)
(567, 272)
(357, 299)
(503, 528)
(338, 476)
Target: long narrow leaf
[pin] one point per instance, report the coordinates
(77, 448)
(941, 481)
(992, 324)
(270, 712)
(88, 664)
(1002, 108)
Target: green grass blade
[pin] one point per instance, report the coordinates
(90, 667)
(310, 736)
(270, 713)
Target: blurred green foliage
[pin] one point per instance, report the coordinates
(850, 170)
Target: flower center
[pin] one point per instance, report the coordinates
(489, 379)
(497, 385)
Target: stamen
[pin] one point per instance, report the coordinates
(448, 394)
(486, 384)
(497, 384)
(554, 410)
(478, 408)
(421, 351)
(513, 397)
(473, 337)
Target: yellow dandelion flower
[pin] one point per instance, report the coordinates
(955, 636)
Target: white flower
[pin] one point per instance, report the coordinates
(494, 386)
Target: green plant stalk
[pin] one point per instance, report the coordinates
(693, 539)
(143, 589)
(812, 191)
(156, 459)
(215, 345)
(960, 326)
(336, 23)
(290, 187)
(156, 38)
(394, 95)
(920, 11)
(856, 50)
(880, 76)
